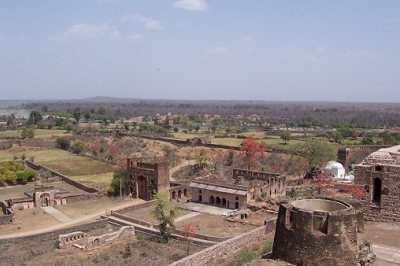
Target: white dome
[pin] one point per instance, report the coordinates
(335, 169)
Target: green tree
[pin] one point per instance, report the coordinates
(337, 136)
(78, 147)
(63, 143)
(120, 183)
(286, 136)
(367, 140)
(35, 117)
(202, 157)
(28, 133)
(77, 114)
(165, 213)
(317, 153)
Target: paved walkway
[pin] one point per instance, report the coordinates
(187, 216)
(204, 208)
(386, 253)
(61, 217)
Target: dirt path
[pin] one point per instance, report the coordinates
(87, 218)
(179, 166)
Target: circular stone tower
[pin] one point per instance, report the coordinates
(316, 232)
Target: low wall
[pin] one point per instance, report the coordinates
(226, 248)
(135, 207)
(40, 143)
(131, 219)
(53, 236)
(63, 177)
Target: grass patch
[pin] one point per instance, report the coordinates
(246, 256)
(39, 133)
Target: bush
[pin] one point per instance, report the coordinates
(78, 147)
(63, 143)
(28, 133)
(24, 176)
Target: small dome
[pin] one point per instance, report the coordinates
(333, 164)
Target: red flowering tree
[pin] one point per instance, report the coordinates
(325, 183)
(187, 232)
(251, 150)
(112, 152)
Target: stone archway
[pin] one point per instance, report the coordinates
(44, 200)
(376, 191)
(185, 192)
(223, 202)
(218, 201)
(179, 194)
(211, 201)
(173, 194)
(142, 188)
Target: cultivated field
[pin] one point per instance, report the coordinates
(79, 168)
(39, 133)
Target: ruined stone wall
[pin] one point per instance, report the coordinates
(348, 156)
(306, 237)
(63, 177)
(6, 219)
(388, 209)
(40, 143)
(227, 248)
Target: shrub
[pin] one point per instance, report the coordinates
(78, 147)
(63, 143)
(28, 133)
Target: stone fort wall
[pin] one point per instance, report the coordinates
(306, 237)
(348, 156)
(225, 249)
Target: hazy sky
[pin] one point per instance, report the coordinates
(201, 49)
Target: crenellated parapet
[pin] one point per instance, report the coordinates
(316, 232)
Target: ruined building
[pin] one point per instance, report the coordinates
(316, 232)
(147, 178)
(379, 174)
(236, 192)
(353, 155)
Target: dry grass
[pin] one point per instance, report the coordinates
(39, 133)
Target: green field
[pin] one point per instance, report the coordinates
(79, 168)
(39, 133)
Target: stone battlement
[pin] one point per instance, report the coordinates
(316, 232)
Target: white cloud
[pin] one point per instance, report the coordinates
(191, 5)
(247, 39)
(148, 23)
(88, 31)
(217, 51)
(135, 37)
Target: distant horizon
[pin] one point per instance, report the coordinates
(337, 51)
(118, 99)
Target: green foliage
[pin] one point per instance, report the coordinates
(77, 114)
(35, 117)
(24, 176)
(28, 133)
(202, 157)
(13, 172)
(78, 147)
(176, 129)
(145, 127)
(317, 153)
(367, 140)
(165, 213)
(337, 136)
(63, 143)
(120, 179)
(286, 136)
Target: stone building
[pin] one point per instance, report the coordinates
(147, 178)
(379, 174)
(236, 192)
(316, 232)
(353, 155)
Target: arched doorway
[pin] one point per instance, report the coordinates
(179, 193)
(376, 191)
(223, 202)
(142, 188)
(185, 192)
(173, 194)
(217, 201)
(44, 200)
(211, 201)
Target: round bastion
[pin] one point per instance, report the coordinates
(318, 231)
